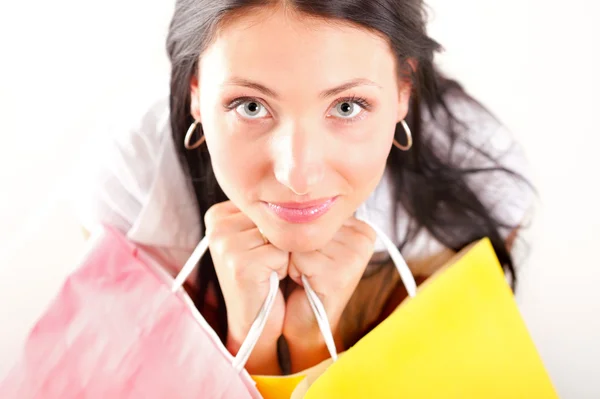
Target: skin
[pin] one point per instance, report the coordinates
(303, 138)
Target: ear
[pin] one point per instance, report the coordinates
(195, 98)
(405, 87)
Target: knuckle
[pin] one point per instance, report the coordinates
(232, 263)
(212, 236)
(366, 230)
(275, 259)
(215, 231)
(293, 273)
(368, 247)
(215, 214)
(283, 259)
(354, 258)
(210, 216)
(218, 246)
(219, 228)
(364, 245)
(238, 273)
(227, 263)
(219, 242)
(241, 268)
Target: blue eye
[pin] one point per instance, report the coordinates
(251, 109)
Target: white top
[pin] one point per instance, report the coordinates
(132, 180)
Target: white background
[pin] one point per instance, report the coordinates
(65, 63)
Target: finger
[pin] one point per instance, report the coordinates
(356, 239)
(308, 264)
(352, 240)
(347, 264)
(327, 280)
(226, 207)
(265, 259)
(361, 227)
(218, 211)
(241, 241)
(249, 239)
(294, 273)
(229, 224)
(334, 249)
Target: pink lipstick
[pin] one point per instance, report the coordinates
(301, 212)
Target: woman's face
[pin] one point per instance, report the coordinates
(299, 117)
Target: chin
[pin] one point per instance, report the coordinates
(300, 242)
(303, 237)
(300, 237)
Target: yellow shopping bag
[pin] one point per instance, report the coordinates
(461, 336)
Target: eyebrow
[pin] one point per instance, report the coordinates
(324, 94)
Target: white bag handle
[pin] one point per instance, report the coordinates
(315, 303)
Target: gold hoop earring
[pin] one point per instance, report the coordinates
(409, 140)
(188, 137)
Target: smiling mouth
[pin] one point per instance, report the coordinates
(301, 212)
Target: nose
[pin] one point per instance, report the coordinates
(299, 159)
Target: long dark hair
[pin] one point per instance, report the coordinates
(433, 191)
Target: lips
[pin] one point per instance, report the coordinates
(301, 212)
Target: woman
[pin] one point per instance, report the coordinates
(283, 118)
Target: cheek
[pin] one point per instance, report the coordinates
(364, 170)
(235, 164)
(363, 163)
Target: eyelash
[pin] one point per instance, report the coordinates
(362, 102)
(239, 101)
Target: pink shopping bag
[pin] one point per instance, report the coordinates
(117, 330)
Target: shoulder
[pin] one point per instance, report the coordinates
(494, 166)
(473, 130)
(492, 159)
(130, 178)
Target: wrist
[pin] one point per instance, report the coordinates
(305, 354)
(263, 360)
(309, 335)
(309, 350)
(237, 336)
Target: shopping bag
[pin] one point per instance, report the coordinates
(122, 328)
(117, 330)
(461, 336)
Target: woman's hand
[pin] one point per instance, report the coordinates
(243, 263)
(334, 273)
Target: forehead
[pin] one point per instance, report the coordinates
(287, 47)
